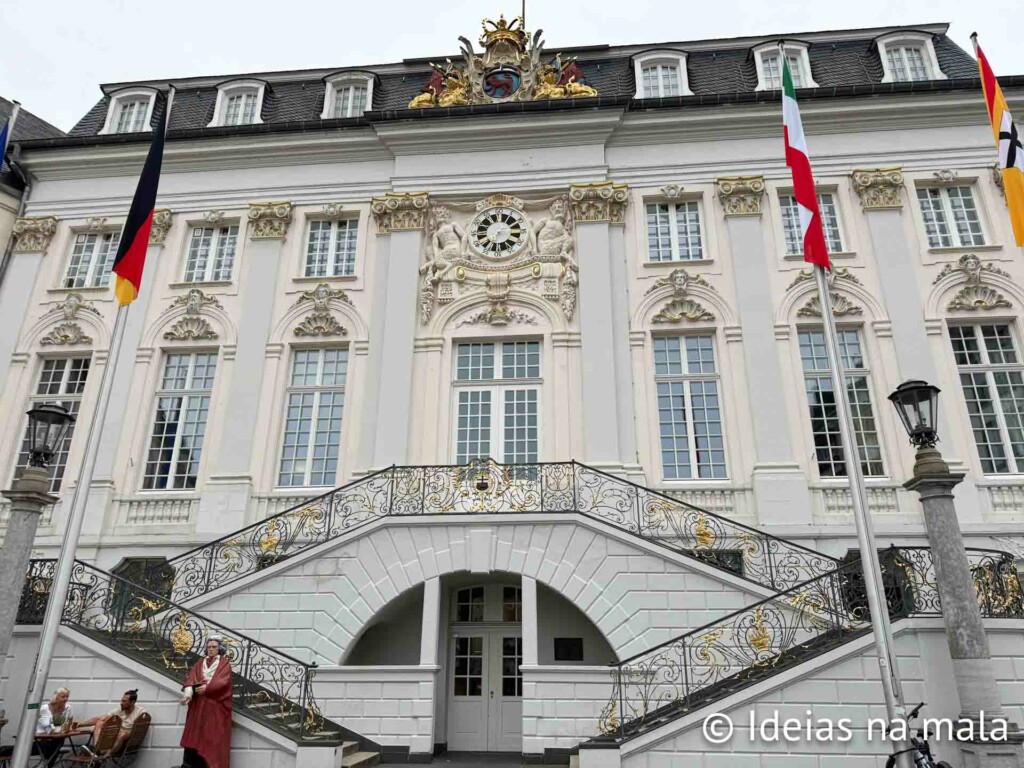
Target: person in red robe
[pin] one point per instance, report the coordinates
(207, 692)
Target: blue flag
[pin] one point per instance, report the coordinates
(3, 141)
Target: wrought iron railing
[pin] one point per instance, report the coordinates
(269, 685)
(764, 638)
(485, 486)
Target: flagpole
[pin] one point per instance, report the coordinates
(66, 558)
(877, 604)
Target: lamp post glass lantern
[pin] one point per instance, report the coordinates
(47, 425)
(917, 404)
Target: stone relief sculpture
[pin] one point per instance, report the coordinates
(976, 293)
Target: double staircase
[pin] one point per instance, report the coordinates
(815, 602)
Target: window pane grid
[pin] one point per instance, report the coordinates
(211, 254)
(179, 426)
(502, 417)
(906, 63)
(689, 410)
(350, 101)
(92, 257)
(950, 217)
(673, 231)
(791, 224)
(61, 381)
(240, 109)
(331, 248)
(993, 385)
(824, 414)
(313, 418)
(131, 116)
(773, 73)
(467, 678)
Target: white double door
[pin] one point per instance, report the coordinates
(485, 690)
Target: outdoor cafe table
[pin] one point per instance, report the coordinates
(69, 735)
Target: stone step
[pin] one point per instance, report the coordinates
(360, 760)
(349, 748)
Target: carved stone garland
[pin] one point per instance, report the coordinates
(545, 262)
(320, 321)
(680, 306)
(841, 305)
(193, 327)
(975, 294)
(68, 332)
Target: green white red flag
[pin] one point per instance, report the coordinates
(813, 236)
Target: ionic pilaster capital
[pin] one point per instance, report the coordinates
(34, 234)
(878, 188)
(269, 220)
(741, 195)
(400, 211)
(160, 227)
(599, 201)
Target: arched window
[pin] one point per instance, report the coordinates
(239, 102)
(661, 73)
(130, 111)
(908, 57)
(769, 66)
(348, 94)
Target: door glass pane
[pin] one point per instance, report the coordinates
(467, 671)
(511, 660)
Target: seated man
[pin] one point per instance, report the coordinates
(129, 712)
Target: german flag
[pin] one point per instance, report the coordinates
(131, 252)
(1008, 142)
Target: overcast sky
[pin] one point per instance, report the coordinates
(55, 53)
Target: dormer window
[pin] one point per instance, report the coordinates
(239, 103)
(130, 111)
(769, 66)
(660, 74)
(349, 94)
(908, 57)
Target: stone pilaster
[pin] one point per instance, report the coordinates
(780, 486)
(881, 196)
(400, 221)
(599, 210)
(225, 499)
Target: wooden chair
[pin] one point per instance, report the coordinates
(130, 753)
(98, 756)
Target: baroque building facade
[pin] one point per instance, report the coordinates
(533, 259)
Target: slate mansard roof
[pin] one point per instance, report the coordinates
(718, 70)
(27, 128)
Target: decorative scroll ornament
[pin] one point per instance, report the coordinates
(997, 178)
(599, 201)
(334, 209)
(160, 227)
(945, 176)
(511, 68)
(73, 304)
(672, 191)
(269, 220)
(193, 327)
(320, 321)
(840, 306)
(397, 212)
(680, 306)
(499, 314)
(214, 217)
(495, 245)
(65, 334)
(879, 188)
(97, 224)
(741, 195)
(836, 273)
(975, 294)
(34, 234)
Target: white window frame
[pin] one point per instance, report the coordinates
(317, 390)
(188, 395)
(686, 378)
(70, 400)
(988, 369)
(353, 222)
(98, 274)
(497, 387)
(218, 229)
(340, 81)
(864, 372)
(235, 88)
(125, 96)
(836, 203)
(797, 48)
(917, 39)
(947, 212)
(675, 256)
(668, 57)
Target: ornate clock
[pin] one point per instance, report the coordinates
(497, 233)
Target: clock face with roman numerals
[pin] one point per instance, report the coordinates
(496, 233)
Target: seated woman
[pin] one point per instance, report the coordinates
(54, 716)
(207, 692)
